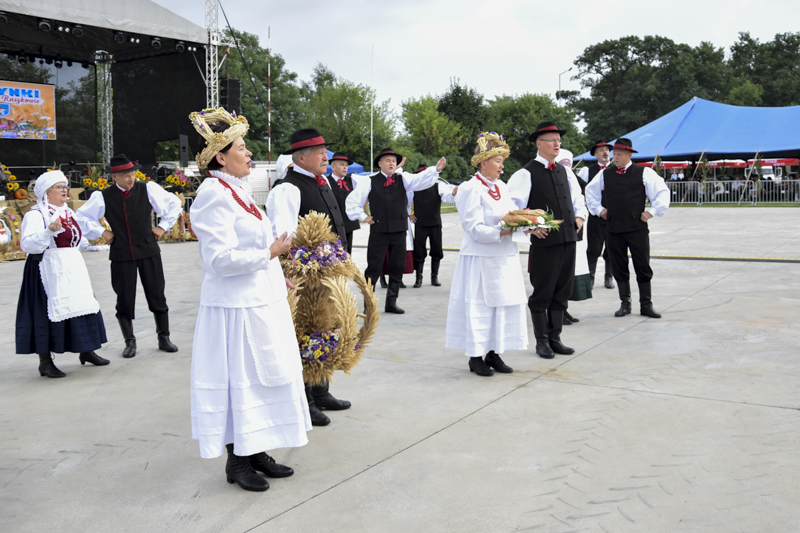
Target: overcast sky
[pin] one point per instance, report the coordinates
(501, 47)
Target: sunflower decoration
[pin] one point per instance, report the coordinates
(141, 176)
(325, 311)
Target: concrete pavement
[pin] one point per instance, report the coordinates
(688, 423)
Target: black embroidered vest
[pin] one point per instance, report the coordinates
(131, 222)
(319, 199)
(388, 205)
(428, 207)
(550, 191)
(341, 196)
(625, 196)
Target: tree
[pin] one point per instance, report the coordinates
(771, 65)
(429, 130)
(745, 94)
(465, 106)
(288, 106)
(341, 112)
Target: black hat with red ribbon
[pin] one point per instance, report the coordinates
(545, 127)
(305, 138)
(624, 144)
(340, 156)
(599, 144)
(121, 163)
(388, 151)
(422, 167)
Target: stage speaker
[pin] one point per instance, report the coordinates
(183, 150)
(230, 94)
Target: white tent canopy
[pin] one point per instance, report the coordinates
(141, 17)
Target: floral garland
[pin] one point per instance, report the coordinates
(318, 346)
(324, 255)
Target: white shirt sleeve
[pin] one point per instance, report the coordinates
(657, 192)
(446, 193)
(593, 194)
(578, 201)
(165, 204)
(89, 214)
(519, 185)
(354, 204)
(35, 235)
(283, 209)
(468, 203)
(584, 173)
(419, 182)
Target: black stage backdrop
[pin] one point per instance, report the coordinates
(152, 101)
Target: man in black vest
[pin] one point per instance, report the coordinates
(388, 221)
(304, 190)
(342, 185)
(596, 236)
(427, 219)
(618, 195)
(128, 207)
(544, 184)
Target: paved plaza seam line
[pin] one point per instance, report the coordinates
(680, 257)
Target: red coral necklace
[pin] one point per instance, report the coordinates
(252, 209)
(495, 194)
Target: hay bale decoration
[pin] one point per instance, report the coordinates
(324, 310)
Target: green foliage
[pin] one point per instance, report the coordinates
(465, 106)
(341, 112)
(429, 130)
(746, 94)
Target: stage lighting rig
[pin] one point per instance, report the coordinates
(155, 42)
(49, 60)
(133, 39)
(77, 31)
(59, 64)
(22, 60)
(180, 46)
(69, 63)
(3, 18)
(85, 64)
(44, 25)
(119, 37)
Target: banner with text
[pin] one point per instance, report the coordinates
(27, 111)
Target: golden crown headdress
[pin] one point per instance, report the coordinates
(215, 142)
(486, 152)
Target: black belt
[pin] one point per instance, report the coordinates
(36, 257)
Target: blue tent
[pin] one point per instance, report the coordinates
(354, 168)
(718, 131)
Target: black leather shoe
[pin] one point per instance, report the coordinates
(165, 345)
(609, 281)
(130, 349)
(569, 317)
(47, 367)
(91, 357)
(559, 348)
(402, 285)
(383, 282)
(555, 322)
(262, 462)
(477, 365)
(323, 399)
(318, 418)
(540, 330)
(493, 360)
(649, 311)
(418, 282)
(624, 309)
(567, 321)
(624, 288)
(239, 471)
(391, 307)
(126, 325)
(435, 280)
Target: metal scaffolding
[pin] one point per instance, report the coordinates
(105, 101)
(212, 60)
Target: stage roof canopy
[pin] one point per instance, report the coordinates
(717, 131)
(100, 22)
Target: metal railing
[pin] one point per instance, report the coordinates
(734, 191)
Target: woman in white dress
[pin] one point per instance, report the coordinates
(247, 378)
(486, 314)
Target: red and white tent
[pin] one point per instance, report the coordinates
(667, 164)
(727, 163)
(780, 162)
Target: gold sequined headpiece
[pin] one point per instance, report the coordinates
(488, 153)
(215, 142)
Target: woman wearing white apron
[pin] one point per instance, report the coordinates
(247, 377)
(486, 313)
(57, 311)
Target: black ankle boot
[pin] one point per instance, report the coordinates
(477, 365)
(323, 399)
(556, 322)
(435, 274)
(569, 319)
(162, 330)
(267, 465)
(391, 299)
(91, 357)
(418, 270)
(126, 325)
(318, 418)
(540, 329)
(624, 288)
(47, 368)
(239, 471)
(493, 360)
(645, 302)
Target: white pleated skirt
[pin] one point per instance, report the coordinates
(475, 327)
(229, 403)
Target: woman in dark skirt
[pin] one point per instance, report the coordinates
(57, 311)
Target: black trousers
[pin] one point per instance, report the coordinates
(123, 280)
(421, 235)
(378, 245)
(638, 242)
(552, 273)
(349, 247)
(595, 239)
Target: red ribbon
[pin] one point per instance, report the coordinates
(551, 166)
(389, 181)
(126, 193)
(321, 181)
(343, 184)
(316, 141)
(120, 168)
(603, 166)
(621, 171)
